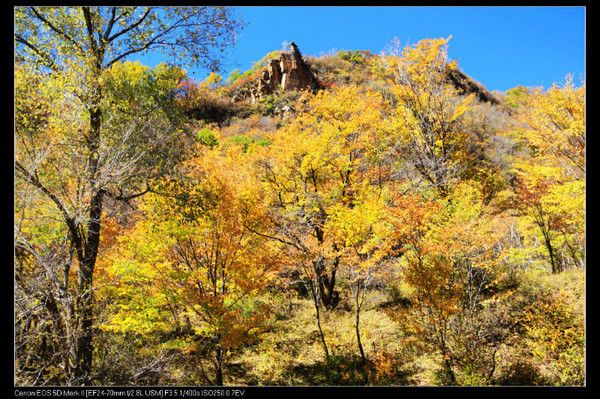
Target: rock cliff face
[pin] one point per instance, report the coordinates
(288, 72)
(295, 73)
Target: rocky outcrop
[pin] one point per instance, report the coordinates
(286, 73)
(295, 73)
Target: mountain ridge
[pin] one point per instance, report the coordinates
(290, 71)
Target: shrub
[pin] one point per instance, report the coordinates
(555, 335)
(354, 56)
(247, 141)
(201, 103)
(273, 104)
(266, 105)
(207, 137)
(233, 76)
(522, 372)
(389, 368)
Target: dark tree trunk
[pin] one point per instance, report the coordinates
(219, 366)
(329, 296)
(548, 243)
(546, 232)
(316, 297)
(363, 357)
(321, 334)
(554, 261)
(84, 340)
(448, 367)
(85, 303)
(86, 299)
(358, 340)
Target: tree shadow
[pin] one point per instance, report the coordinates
(338, 370)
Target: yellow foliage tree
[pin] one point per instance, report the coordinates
(203, 257)
(551, 185)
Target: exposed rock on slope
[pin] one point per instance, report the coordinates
(288, 72)
(295, 73)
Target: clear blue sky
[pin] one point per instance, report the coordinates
(501, 47)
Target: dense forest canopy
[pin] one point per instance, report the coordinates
(391, 223)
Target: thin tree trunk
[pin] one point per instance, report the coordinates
(321, 333)
(547, 239)
(493, 368)
(448, 366)
(553, 261)
(317, 303)
(363, 357)
(572, 250)
(358, 340)
(446, 355)
(219, 366)
(357, 328)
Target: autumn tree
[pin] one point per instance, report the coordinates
(363, 237)
(551, 173)
(77, 46)
(317, 165)
(207, 263)
(450, 262)
(135, 149)
(429, 112)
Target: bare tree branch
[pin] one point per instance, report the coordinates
(68, 218)
(130, 27)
